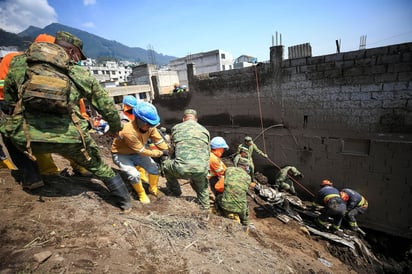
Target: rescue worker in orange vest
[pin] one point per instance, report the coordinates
(355, 204)
(333, 206)
(4, 67)
(217, 168)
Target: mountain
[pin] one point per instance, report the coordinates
(95, 46)
(8, 39)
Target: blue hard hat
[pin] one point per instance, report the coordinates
(218, 142)
(130, 101)
(147, 113)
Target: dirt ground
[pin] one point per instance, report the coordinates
(71, 226)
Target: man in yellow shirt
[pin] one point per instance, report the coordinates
(129, 150)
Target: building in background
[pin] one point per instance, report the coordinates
(6, 50)
(244, 61)
(205, 62)
(109, 71)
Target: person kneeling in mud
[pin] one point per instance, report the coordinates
(232, 203)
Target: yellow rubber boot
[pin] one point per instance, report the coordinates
(153, 184)
(79, 170)
(143, 175)
(8, 164)
(46, 164)
(234, 216)
(138, 187)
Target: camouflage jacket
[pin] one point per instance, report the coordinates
(252, 148)
(44, 127)
(282, 175)
(241, 160)
(191, 143)
(234, 197)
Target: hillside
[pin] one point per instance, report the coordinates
(70, 226)
(94, 46)
(8, 39)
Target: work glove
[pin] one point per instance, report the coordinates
(165, 155)
(265, 155)
(157, 153)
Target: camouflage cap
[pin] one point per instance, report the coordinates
(248, 139)
(72, 39)
(243, 149)
(190, 111)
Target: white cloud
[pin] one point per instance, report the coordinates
(18, 15)
(89, 2)
(88, 24)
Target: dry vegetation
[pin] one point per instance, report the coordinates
(71, 226)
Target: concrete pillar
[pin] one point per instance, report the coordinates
(276, 57)
(190, 74)
(155, 87)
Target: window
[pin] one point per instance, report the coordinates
(142, 96)
(223, 56)
(355, 146)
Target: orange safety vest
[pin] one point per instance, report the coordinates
(4, 69)
(5, 63)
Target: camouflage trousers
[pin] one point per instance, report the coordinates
(199, 181)
(242, 213)
(73, 151)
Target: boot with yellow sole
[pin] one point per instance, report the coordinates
(6, 163)
(154, 185)
(138, 187)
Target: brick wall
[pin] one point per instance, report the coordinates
(346, 117)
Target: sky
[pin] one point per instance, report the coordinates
(238, 27)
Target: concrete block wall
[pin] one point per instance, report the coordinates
(346, 117)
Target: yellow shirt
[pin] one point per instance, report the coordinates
(132, 141)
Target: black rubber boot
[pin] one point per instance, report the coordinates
(119, 190)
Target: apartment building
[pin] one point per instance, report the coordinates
(205, 62)
(109, 71)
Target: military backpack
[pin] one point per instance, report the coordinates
(47, 88)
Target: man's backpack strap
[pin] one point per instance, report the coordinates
(28, 152)
(19, 110)
(76, 121)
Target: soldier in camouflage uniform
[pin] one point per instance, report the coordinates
(242, 157)
(251, 148)
(65, 134)
(284, 182)
(191, 145)
(233, 201)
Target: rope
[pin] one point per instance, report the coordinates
(263, 135)
(293, 179)
(260, 109)
(263, 131)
